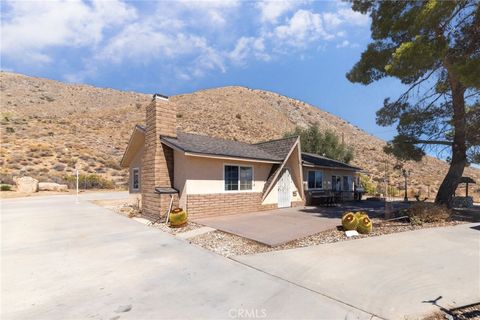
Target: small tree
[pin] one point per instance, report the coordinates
(323, 143)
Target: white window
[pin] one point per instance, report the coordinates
(135, 178)
(238, 178)
(315, 179)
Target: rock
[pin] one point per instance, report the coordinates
(27, 184)
(51, 186)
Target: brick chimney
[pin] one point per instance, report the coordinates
(157, 168)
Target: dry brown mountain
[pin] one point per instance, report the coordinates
(48, 126)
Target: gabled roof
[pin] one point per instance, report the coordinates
(136, 142)
(205, 145)
(279, 147)
(320, 161)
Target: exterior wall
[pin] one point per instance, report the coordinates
(158, 168)
(202, 186)
(205, 175)
(225, 203)
(136, 163)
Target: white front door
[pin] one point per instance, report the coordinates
(284, 193)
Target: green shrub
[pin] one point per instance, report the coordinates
(5, 187)
(427, 212)
(368, 185)
(393, 191)
(88, 181)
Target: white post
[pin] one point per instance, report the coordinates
(77, 201)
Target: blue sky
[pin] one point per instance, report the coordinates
(301, 49)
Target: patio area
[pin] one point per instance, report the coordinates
(276, 227)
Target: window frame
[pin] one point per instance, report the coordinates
(137, 170)
(315, 180)
(239, 178)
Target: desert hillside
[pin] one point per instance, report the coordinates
(47, 127)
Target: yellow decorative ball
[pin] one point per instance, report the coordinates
(349, 221)
(178, 217)
(364, 225)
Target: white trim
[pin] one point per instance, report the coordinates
(238, 165)
(213, 156)
(133, 176)
(323, 175)
(297, 143)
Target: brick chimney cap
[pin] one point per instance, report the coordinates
(160, 97)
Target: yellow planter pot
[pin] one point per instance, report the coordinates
(178, 217)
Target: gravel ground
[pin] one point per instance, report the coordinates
(230, 245)
(130, 210)
(469, 312)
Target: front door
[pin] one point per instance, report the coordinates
(284, 193)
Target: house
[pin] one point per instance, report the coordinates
(212, 176)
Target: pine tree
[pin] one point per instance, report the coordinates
(433, 47)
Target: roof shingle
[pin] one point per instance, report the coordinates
(317, 160)
(195, 143)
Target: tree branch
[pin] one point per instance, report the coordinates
(440, 142)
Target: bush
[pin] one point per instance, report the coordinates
(59, 167)
(5, 187)
(368, 185)
(6, 178)
(426, 212)
(89, 181)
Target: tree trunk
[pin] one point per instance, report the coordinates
(459, 148)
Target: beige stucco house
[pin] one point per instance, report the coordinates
(212, 176)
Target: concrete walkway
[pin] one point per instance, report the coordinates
(393, 276)
(62, 260)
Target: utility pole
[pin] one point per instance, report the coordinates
(77, 201)
(405, 173)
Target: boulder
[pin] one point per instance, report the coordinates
(27, 184)
(51, 186)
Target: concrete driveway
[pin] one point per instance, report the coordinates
(272, 227)
(393, 276)
(62, 260)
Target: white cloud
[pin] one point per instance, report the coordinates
(303, 27)
(247, 48)
(146, 41)
(343, 44)
(353, 18)
(29, 28)
(271, 11)
(184, 38)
